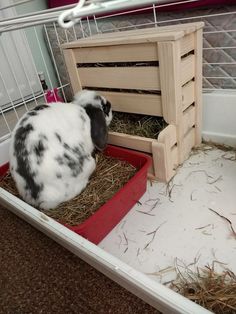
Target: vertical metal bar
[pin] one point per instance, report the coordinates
(90, 31)
(96, 24)
(74, 32)
(154, 14)
(65, 31)
(81, 27)
(54, 62)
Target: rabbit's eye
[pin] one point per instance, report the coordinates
(106, 107)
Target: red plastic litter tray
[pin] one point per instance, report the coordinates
(97, 226)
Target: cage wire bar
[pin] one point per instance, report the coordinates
(11, 113)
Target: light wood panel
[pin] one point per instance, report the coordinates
(130, 141)
(188, 142)
(134, 103)
(72, 70)
(142, 78)
(122, 53)
(187, 44)
(187, 69)
(170, 76)
(188, 119)
(188, 95)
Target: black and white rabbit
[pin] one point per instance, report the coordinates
(51, 150)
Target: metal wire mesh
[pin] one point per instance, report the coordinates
(21, 88)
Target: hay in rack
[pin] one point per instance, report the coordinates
(137, 124)
(110, 176)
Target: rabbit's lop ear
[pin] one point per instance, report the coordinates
(99, 131)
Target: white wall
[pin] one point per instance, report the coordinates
(219, 117)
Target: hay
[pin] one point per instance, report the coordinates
(216, 292)
(136, 124)
(111, 174)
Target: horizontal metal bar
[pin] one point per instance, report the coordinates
(220, 77)
(219, 48)
(14, 4)
(219, 63)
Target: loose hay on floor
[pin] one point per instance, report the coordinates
(111, 174)
(216, 292)
(137, 124)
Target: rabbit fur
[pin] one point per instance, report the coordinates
(52, 148)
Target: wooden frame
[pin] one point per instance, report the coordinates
(166, 62)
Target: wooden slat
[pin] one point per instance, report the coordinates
(188, 142)
(187, 44)
(169, 67)
(127, 53)
(188, 119)
(134, 103)
(198, 86)
(131, 39)
(171, 32)
(159, 161)
(187, 69)
(188, 95)
(142, 78)
(122, 53)
(168, 136)
(130, 141)
(169, 139)
(72, 70)
(151, 173)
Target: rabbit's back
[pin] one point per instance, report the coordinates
(50, 154)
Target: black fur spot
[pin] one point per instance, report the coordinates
(58, 137)
(70, 162)
(59, 175)
(23, 168)
(32, 113)
(39, 149)
(78, 150)
(66, 146)
(41, 107)
(97, 97)
(60, 160)
(73, 158)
